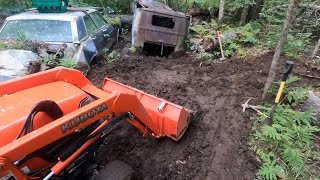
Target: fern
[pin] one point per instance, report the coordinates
(270, 132)
(288, 142)
(303, 135)
(266, 157)
(269, 171)
(294, 159)
(68, 63)
(298, 94)
(292, 79)
(49, 59)
(202, 31)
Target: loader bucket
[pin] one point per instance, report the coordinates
(170, 119)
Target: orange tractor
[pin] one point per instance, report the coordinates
(53, 121)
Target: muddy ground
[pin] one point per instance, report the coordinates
(215, 144)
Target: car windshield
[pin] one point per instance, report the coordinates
(38, 30)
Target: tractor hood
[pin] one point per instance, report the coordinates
(15, 63)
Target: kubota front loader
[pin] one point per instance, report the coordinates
(51, 122)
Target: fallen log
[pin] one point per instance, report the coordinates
(208, 44)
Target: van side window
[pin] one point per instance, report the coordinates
(162, 21)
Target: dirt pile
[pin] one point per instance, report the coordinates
(214, 146)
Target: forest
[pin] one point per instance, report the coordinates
(274, 140)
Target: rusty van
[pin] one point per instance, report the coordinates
(159, 30)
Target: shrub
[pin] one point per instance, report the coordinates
(49, 59)
(109, 57)
(132, 49)
(204, 56)
(116, 21)
(68, 63)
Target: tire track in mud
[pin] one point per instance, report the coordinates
(214, 146)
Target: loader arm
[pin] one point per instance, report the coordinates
(148, 113)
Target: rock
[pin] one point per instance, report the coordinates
(313, 104)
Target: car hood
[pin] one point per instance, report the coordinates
(14, 63)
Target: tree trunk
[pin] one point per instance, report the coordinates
(316, 49)
(282, 40)
(255, 10)
(244, 16)
(221, 10)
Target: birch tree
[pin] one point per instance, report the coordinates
(316, 49)
(221, 10)
(282, 40)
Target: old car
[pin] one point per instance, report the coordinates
(80, 34)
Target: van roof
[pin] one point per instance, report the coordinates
(160, 8)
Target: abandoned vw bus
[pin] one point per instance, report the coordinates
(159, 30)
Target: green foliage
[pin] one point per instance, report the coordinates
(110, 57)
(124, 6)
(270, 132)
(68, 63)
(205, 29)
(269, 171)
(294, 46)
(22, 36)
(246, 36)
(116, 21)
(297, 94)
(14, 6)
(17, 45)
(132, 49)
(314, 62)
(294, 95)
(238, 4)
(125, 31)
(49, 59)
(204, 56)
(243, 52)
(202, 31)
(248, 33)
(3, 46)
(290, 142)
(291, 80)
(286, 147)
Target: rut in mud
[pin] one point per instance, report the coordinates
(215, 144)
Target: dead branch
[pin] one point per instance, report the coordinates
(310, 76)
